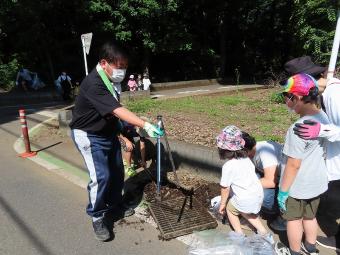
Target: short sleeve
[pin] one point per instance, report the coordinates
(227, 174)
(268, 158)
(102, 99)
(294, 146)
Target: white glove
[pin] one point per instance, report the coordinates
(152, 130)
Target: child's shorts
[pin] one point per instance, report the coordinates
(301, 208)
(231, 208)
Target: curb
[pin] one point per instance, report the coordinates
(182, 84)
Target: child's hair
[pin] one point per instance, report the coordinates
(250, 141)
(312, 97)
(112, 53)
(227, 154)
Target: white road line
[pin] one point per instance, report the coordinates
(193, 91)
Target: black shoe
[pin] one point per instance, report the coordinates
(129, 212)
(101, 230)
(123, 213)
(328, 242)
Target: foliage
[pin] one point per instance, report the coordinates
(8, 73)
(277, 98)
(314, 22)
(245, 41)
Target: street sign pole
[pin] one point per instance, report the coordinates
(86, 42)
(84, 52)
(335, 49)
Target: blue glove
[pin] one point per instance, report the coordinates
(281, 199)
(152, 130)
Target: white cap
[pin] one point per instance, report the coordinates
(132, 76)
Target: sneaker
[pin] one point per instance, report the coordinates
(281, 249)
(130, 171)
(306, 252)
(328, 242)
(129, 212)
(101, 231)
(269, 238)
(123, 213)
(279, 224)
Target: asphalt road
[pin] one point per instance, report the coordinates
(42, 213)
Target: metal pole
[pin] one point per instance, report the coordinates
(159, 124)
(84, 52)
(24, 129)
(335, 49)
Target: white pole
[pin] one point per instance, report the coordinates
(335, 49)
(84, 51)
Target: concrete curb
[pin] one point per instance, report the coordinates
(182, 84)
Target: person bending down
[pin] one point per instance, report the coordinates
(241, 190)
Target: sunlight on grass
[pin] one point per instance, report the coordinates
(253, 111)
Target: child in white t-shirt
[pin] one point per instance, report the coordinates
(241, 190)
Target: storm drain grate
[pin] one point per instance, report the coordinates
(167, 213)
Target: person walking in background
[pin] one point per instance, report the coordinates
(24, 79)
(146, 81)
(95, 127)
(66, 85)
(132, 83)
(304, 176)
(241, 190)
(328, 215)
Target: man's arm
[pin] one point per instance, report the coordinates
(311, 129)
(124, 114)
(330, 131)
(269, 180)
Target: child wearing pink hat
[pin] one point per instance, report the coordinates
(304, 173)
(241, 190)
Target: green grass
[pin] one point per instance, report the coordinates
(253, 111)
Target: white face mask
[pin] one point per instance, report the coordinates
(290, 110)
(118, 75)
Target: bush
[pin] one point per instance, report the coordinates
(277, 98)
(8, 74)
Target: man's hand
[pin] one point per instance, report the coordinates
(310, 129)
(152, 130)
(282, 196)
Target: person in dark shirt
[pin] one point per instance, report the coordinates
(95, 126)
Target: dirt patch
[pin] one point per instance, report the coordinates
(203, 190)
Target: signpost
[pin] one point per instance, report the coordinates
(335, 49)
(86, 42)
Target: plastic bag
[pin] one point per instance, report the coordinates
(214, 242)
(259, 245)
(214, 210)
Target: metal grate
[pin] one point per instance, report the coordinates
(167, 213)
